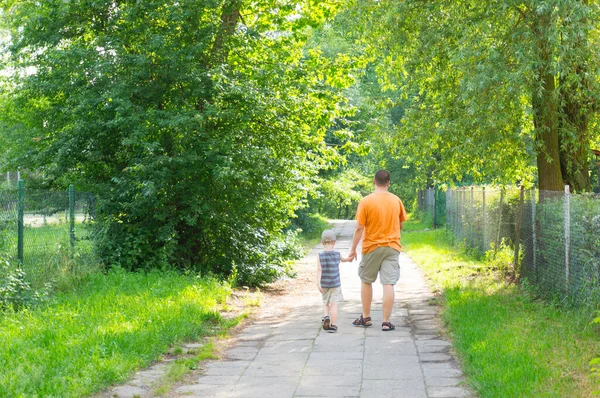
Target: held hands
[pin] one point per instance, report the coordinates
(351, 255)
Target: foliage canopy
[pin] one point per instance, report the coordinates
(200, 124)
(490, 90)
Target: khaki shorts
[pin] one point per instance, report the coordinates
(332, 295)
(383, 260)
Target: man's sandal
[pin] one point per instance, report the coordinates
(332, 329)
(326, 323)
(387, 326)
(364, 322)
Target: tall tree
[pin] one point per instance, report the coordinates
(199, 123)
(492, 85)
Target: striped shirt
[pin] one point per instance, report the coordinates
(330, 269)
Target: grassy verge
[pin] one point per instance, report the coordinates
(510, 343)
(105, 329)
(183, 366)
(417, 224)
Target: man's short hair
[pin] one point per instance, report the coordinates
(382, 178)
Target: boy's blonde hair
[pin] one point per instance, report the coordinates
(328, 236)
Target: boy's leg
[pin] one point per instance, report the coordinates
(326, 318)
(333, 313)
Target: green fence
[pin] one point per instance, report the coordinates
(432, 202)
(47, 233)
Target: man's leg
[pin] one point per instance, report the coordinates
(388, 302)
(366, 297)
(389, 275)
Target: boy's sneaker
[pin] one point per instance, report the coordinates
(332, 329)
(326, 322)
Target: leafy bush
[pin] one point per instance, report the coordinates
(270, 264)
(198, 149)
(502, 259)
(15, 292)
(309, 223)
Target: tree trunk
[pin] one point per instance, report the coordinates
(576, 108)
(545, 111)
(574, 151)
(229, 20)
(219, 52)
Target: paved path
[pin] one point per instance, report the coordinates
(291, 356)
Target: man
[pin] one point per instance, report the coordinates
(380, 218)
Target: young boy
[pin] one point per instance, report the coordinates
(328, 279)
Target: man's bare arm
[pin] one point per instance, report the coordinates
(358, 233)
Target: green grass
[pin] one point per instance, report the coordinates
(416, 224)
(105, 329)
(510, 343)
(308, 239)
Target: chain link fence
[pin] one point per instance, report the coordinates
(47, 233)
(555, 236)
(10, 178)
(432, 203)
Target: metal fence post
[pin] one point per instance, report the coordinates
(433, 205)
(484, 221)
(471, 219)
(518, 228)
(72, 215)
(567, 237)
(449, 210)
(500, 211)
(533, 232)
(20, 220)
(459, 215)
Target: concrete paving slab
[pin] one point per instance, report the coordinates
(218, 380)
(443, 381)
(204, 390)
(226, 368)
(447, 392)
(287, 346)
(307, 389)
(259, 387)
(391, 360)
(433, 349)
(434, 357)
(346, 368)
(338, 381)
(435, 370)
(385, 372)
(327, 356)
(394, 388)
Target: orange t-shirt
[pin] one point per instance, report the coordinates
(381, 213)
